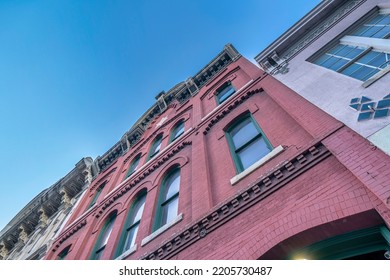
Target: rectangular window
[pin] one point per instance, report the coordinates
(362, 52)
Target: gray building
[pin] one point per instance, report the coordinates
(31, 232)
(338, 57)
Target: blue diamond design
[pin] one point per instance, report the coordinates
(381, 113)
(365, 99)
(383, 104)
(355, 106)
(366, 106)
(364, 116)
(355, 100)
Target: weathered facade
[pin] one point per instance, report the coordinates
(232, 164)
(31, 232)
(338, 58)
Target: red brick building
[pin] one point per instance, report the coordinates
(232, 164)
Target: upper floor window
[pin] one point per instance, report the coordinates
(224, 92)
(168, 205)
(362, 52)
(104, 236)
(97, 194)
(247, 142)
(62, 255)
(177, 130)
(155, 148)
(133, 165)
(129, 234)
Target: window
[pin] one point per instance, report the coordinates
(103, 237)
(224, 92)
(247, 142)
(169, 199)
(177, 130)
(62, 255)
(129, 235)
(155, 148)
(363, 52)
(133, 165)
(97, 194)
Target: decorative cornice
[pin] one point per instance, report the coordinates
(69, 233)
(136, 180)
(228, 108)
(281, 45)
(254, 194)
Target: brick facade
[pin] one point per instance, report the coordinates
(325, 177)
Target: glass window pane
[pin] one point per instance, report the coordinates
(364, 73)
(104, 236)
(130, 239)
(170, 210)
(350, 69)
(332, 60)
(322, 59)
(172, 185)
(253, 152)
(354, 52)
(178, 130)
(368, 57)
(138, 209)
(225, 93)
(336, 66)
(243, 133)
(337, 49)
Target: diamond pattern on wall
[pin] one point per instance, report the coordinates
(369, 109)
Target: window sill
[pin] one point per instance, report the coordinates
(162, 229)
(127, 253)
(256, 165)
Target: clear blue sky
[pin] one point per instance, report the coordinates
(76, 74)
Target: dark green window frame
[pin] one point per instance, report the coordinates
(155, 147)
(177, 131)
(104, 236)
(224, 92)
(167, 201)
(258, 138)
(133, 166)
(97, 194)
(134, 216)
(62, 255)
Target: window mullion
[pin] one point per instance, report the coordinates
(248, 143)
(352, 61)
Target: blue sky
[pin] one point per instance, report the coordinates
(76, 74)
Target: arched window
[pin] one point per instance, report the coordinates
(167, 209)
(62, 255)
(129, 234)
(104, 235)
(247, 142)
(133, 165)
(224, 92)
(97, 194)
(155, 148)
(177, 131)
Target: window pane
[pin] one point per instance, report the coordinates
(104, 236)
(225, 93)
(178, 130)
(130, 239)
(133, 166)
(172, 185)
(243, 133)
(363, 73)
(138, 209)
(170, 210)
(253, 152)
